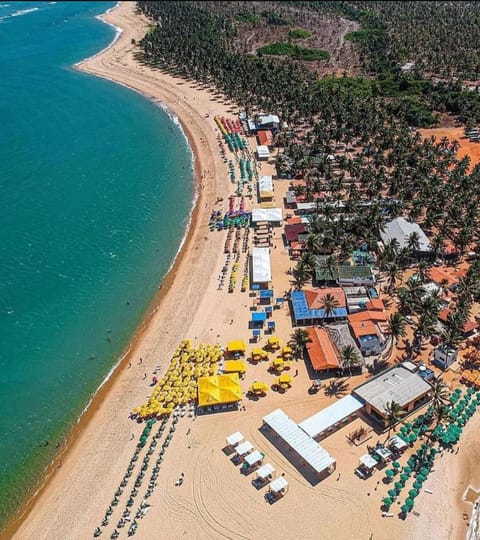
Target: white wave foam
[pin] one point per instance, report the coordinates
(4, 5)
(18, 13)
(24, 11)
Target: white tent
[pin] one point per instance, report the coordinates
(368, 462)
(265, 471)
(244, 448)
(265, 186)
(397, 442)
(278, 485)
(272, 215)
(263, 152)
(234, 439)
(261, 271)
(254, 457)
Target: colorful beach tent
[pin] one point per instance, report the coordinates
(219, 389)
(236, 346)
(265, 471)
(259, 317)
(279, 485)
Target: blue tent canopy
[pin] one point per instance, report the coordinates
(279, 300)
(268, 309)
(255, 286)
(271, 324)
(266, 294)
(259, 317)
(256, 333)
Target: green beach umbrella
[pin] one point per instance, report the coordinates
(389, 473)
(387, 501)
(413, 493)
(408, 469)
(396, 465)
(424, 471)
(404, 508)
(417, 484)
(392, 493)
(409, 502)
(404, 477)
(399, 486)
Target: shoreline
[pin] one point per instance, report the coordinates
(102, 392)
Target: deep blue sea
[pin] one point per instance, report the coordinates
(96, 187)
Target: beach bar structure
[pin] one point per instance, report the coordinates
(333, 417)
(300, 444)
(396, 384)
(261, 269)
(307, 310)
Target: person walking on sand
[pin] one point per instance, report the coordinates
(144, 376)
(140, 361)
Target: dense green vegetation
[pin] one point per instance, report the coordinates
(248, 17)
(388, 166)
(299, 33)
(442, 38)
(294, 51)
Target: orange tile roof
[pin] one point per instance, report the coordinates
(264, 137)
(368, 316)
(297, 183)
(299, 246)
(363, 328)
(467, 327)
(438, 274)
(375, 304)
(315, 298)
(294, 220)
(322, 351)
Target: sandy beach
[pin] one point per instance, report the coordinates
(215, 501)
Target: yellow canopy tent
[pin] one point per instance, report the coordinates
(219, 389)
(284, 379)
(236, 346)
(274, 342)
(235, 366)
(258, 386)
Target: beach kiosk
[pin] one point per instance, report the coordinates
(252, 461)
(243, 449)
(266, 472)
(235, 366)
(236, 346)
(276, 489)
(367, 466)
(234, 439)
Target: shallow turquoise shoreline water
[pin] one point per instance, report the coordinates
(96, 189)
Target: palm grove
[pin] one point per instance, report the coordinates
(390, 171)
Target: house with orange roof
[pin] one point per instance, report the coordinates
(468, 328)
(369, 328)
(265, 137)
(322, 350)
(440, 275)
(375, 304)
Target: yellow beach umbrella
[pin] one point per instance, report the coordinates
(285, 379)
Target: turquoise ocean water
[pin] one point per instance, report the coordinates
(96, 187)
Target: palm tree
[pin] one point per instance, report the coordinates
(393, 273)
(301, 276)
(413, 241)
(393, 414)
(329, 304)
(350, 358)
(396, 327)
(439, 393)
(298, 341)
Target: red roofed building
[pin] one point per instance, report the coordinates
(375, 304)
(369, 315)
(292, 231)
(440, 274)
(265, 137)
(467, 328)
(322, 351)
